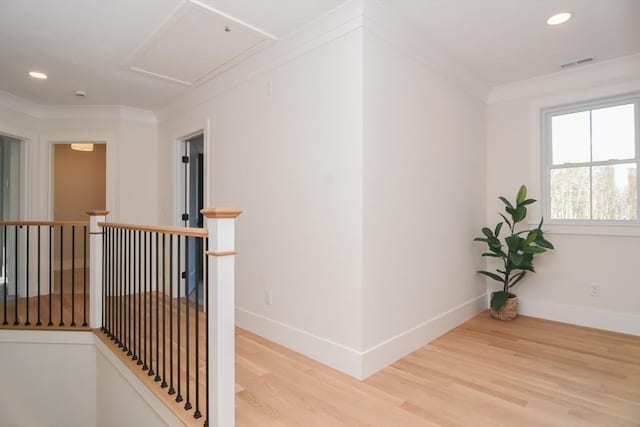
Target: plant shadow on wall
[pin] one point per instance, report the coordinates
(515, 251)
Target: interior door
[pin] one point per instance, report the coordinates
(193, 161)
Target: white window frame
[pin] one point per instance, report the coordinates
(547, 161)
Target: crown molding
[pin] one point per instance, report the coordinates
(381, 19)
(606, 72)
(119, 112)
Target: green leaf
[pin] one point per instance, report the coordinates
(522, 194)
(540, 241)
(516, 278)
(505, 219)
(491, 255)
(506, 202)
(487, 232)
(481, 239)
(516, 259)
(498, 300)
(533, 249)
(530, 238)
(491, 275)
(513, 242)
(519, 214)
(527, 202)
(498, 228)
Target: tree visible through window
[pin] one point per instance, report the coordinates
(592, 162)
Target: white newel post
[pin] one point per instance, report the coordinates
(221, 315)
(95, 266)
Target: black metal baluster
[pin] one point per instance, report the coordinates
(164, 311)
(73, 275)
(171, 389)
(135, 284)
(178, 396)
(157, 377)
(144, 303)
(84, 276)
(15, 305)
(150, 255)
(26, 285)
(50, 276)
(140, 284)
(206, 330)
(38, 322)
(61, 323)
(187, 404)
(4, 267)
(120, 278)
(129, 352)
(196, 413)
(112, 285)
(103, 289)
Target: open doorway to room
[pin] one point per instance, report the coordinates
(78, 185)
(11, 195)
(191, 203)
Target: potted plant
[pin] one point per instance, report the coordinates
(515, 251)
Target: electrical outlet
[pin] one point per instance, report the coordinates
(268, 300)
(594, 290)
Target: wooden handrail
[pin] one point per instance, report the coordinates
(45, 223)
(181, 231)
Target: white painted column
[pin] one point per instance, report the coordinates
(221, 315)
(95, 266)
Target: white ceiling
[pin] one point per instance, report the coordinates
(85, 44)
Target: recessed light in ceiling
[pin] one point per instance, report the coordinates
(559, 18)
(80, 93)
(37, 75)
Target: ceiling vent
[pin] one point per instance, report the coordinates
(195, 44)
(578, 62)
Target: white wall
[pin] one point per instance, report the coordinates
(122, 399)
(48, 379)
(424, 186)
(290, 157)
(559, 290)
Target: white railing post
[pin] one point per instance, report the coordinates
(221, 315)
(95, 266)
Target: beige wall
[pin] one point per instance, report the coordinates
(79, 182)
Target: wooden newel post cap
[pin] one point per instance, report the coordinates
(221, 212)
(97, 213)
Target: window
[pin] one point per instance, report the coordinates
(591, 162)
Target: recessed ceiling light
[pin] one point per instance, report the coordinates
(559, 18)
(37, 75)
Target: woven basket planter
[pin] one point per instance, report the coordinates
(509, 310)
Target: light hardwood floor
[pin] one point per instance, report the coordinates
(528, 372)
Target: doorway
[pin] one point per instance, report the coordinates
(79, 185)
(192, 203)
(10, 203)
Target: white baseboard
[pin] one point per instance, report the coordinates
(625, 323)
(359, 364)
(338, 356)
(382, 355)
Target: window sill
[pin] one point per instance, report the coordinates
(627, 230)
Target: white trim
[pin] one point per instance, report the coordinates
(382, 355)
(46, 337)
(143, 391)
(359, 364)
(38, 111)
(584, 77)
(343, 358)
(626, 323)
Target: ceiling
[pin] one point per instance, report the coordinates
(89, 44)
